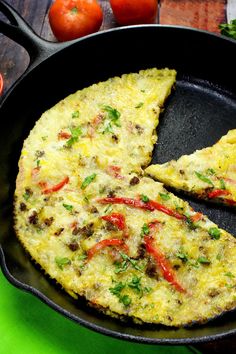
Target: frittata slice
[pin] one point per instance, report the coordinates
(131, 249)
(208, 174)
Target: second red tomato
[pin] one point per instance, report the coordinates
(130, 12)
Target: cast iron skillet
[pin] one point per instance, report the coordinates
(199, 112)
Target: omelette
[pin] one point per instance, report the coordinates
(89, 217)
(208, 174)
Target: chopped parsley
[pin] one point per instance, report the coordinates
(68, 207)
(144, 198)
(229, 274)
(145, 230)
(75, 114)
(214, 232)
(117, 289)
(139, 105)
(62, 261)
(75, 134)
(181, 255)
(133, 262)
(88, 180)
(210, 171)
(112, 118)
(203, 260)
(27, 194)
(82, 257)
(222, 184)
(38, 163)
(204, 178)
(136, 284)
(74, 10)
(125, 299)
(164, 196)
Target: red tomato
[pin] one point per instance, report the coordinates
(130, 12)
(1, 84)
(70, 19)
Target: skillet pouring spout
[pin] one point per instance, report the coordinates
(201, 110)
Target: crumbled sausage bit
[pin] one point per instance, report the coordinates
(93, 210)
(59, 231)
(151, 269)
(28, 191)
(33, 218)
(134, 181)
(181, 172)
(139, 129)
(111, 194)
(73, 246)
(39, 153)
(48, 221)
(115, 138)
(75, 231)
(23, 207)
(110, 226)
(213, 292)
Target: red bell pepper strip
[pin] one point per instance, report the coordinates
(105, 243)
(151, 205)
(217, 193)
(56, 187)
(163, 263)
(116, 219)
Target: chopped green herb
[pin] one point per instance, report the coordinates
(82, 257)
(75, 114)
(121, 266)
(68, 207)
(145, 230)
(203, 260)
(133, 262)
(62, 261)
(222, 184)
(144, 198)
(136, 284)
(228, 29)
(177, 207)
(229, 274)
(125, 300)
(44, 137)
(75, 134)
(27, 194)
(108, 129)
(88, 180)
(86, 199)
(164, 196)
(204, 178)
(113, 115)
(38, 163)
(219, 257)
(108, 209)
(117, 289)
(214, 232)
(181, 255)
(142, 90)
(139, 105)
(210, 171)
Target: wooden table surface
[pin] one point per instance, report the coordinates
(204, 14)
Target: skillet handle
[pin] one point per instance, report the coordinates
(19, 31)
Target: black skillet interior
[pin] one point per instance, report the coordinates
(199, 111)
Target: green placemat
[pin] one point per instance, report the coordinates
(28, 326)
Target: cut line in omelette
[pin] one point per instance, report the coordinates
(208, 174)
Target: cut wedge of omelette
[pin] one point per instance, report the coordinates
(89, 218)
(208, 174)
